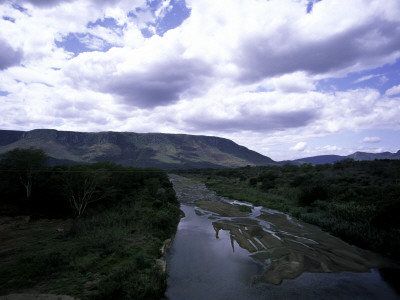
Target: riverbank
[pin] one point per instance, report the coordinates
(358, 201)
(287, 246)
(218, 252)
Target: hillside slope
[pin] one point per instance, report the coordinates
(166, 151)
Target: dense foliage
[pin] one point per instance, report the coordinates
(358, 201)
(121, 217)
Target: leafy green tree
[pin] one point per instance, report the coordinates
(25, 166)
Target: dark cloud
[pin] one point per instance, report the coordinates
(256, 122)
(8, 56)
(161, 84)
(273, 56)
(46, 3)
(51, 3)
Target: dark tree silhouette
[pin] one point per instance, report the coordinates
(24, 166)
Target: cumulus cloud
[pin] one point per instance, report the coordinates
(161, 84)
(271, 48)
(51, 3)
(371, 139)
(395, 90)
(331, 148)
(46, 3)
(140, 82)
(8, 56)
(260, 58)
(256, 83)
(318, 43)
(293, 83)
(259, 122)
(300, 146)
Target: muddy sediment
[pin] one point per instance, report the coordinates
(286, 247)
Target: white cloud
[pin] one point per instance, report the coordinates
(163, 9)
(8, 56)
(300, 146)
(365, 78)
(201, 76)
(371, 139)
(297, 82)
(214, 45)
(330, 148)
(111, 36)
(395, 90)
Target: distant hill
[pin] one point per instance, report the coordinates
(320, 159)
(166, 151)
(330, 159)
(373, 156)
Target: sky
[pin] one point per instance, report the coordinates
(286, 78)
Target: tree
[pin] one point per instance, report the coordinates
(24, 166)
(84, 185)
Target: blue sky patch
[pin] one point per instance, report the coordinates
(106, 22)
(75, 43)
(176, 13)
(381, 78)
(310, 5)
(12, 20)
(19, 7)
(174, 17)
(146, 32)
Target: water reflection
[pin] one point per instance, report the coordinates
(202, 266)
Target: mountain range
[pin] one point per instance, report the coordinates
(166, 151)
(160, 150)
(330, 159)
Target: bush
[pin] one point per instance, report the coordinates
(133, 282)
(311, 194)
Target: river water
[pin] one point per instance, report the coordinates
(217, 256)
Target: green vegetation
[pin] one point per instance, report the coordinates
(357, 201)
(244, 208)
(117, 221)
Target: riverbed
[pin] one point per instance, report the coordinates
(223, 252)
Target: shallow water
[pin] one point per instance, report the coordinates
(205, 262)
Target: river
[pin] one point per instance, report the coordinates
(220, 252)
